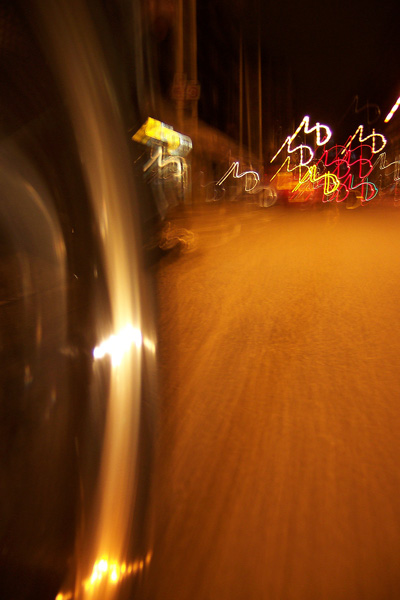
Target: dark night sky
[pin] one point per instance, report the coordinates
(334, 50)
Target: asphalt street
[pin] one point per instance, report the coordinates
(277, 473)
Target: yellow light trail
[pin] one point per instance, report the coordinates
(393, 110)
(373, 135)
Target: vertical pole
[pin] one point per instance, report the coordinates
(179, 59)
(260, 148)
(193, 55)
(193, 77)
(240, 98)
(247, 83)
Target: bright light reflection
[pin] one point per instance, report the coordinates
(117, 345)
(108, 571)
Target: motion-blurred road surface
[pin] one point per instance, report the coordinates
(278, 466)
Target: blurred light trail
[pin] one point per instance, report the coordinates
(320, 142)
(383, 164)
(373, 135)
(330, 181)
(393, 110)
(234, 169)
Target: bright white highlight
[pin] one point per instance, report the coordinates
(116, 346)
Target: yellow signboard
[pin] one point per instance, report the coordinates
(153, 130)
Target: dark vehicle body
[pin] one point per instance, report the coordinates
(73, 209)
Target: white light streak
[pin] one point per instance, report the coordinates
(320, 142)
(234, 169)
(383, 164)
